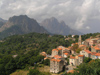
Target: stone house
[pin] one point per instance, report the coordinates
(67, 50)
(86, 53)
(76, 60)
(56, 64)
(93, 55)
(56, 52)
(80, 58)
(72, 60)
(86, 42)
(73, 52)
(83, 47)
(97, 56)
(95, 49)
(98, 41)
(64, 50)
(92, 42)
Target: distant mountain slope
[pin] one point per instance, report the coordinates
(55, 27)
(2, 22)
(20, 25)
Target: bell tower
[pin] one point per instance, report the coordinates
(79, 40)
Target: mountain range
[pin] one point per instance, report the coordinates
(20, 25)
(23, 24)
(56, 27)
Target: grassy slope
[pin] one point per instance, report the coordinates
(41, 69)
(20, 72)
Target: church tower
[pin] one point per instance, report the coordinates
(79, 40)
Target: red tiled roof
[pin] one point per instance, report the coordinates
(66, 53)
(97, 54)
(72, 71)
(88, 39)
(59, 48)
(96, 48)
(82, 45)
(54, 50)
(80, 55)
(87, 51)
(57, 60)
(93, 53)
(57, 56)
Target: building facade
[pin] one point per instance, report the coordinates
(86, 53)
(79, 40)
(56, 64)
(76, 60)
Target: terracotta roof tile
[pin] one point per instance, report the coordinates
(66, 53)
(59, 48)
(98, 54)
(82, 45)
(57, 56)
(56, 60)
(93, 53)
(72, 71)
(54, 50)
(87, 51)
(96, 48)
(88, 39)
(80, 55)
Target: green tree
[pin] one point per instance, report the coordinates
(87, 59)
(74, 47)
(47, 62)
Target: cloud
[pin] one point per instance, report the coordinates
(85, 12)
(87, 27)
(76, 13)
(1, 4)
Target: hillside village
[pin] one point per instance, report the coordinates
(88, 48)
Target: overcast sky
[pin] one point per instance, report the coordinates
(83, 15)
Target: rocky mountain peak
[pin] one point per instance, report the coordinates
(21, 25)
(56, 27)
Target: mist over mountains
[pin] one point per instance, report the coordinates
(23, 24)
(56, 27)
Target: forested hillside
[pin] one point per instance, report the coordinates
(27, 48)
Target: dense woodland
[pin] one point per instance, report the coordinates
(27, 48)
